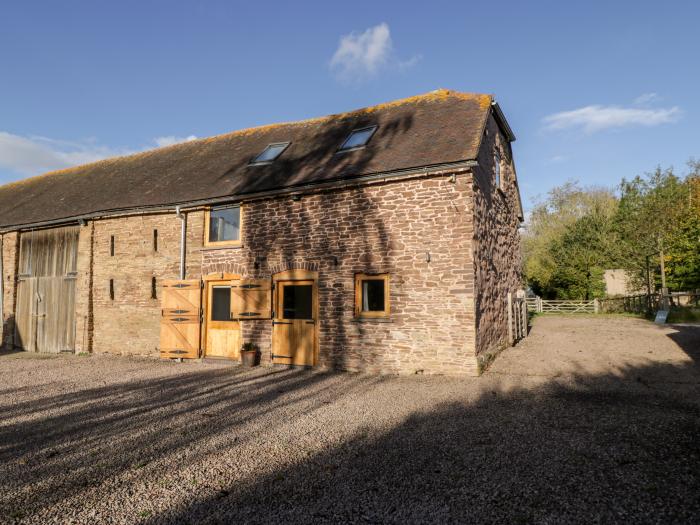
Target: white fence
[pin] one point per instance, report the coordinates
(539, 305)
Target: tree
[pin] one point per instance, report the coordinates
(565, 242)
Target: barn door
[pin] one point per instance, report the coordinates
(45, 314)
(180, 319)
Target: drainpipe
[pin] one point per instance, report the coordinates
(183, 219)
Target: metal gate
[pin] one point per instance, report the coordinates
(45, 311)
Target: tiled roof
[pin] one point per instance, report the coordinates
(432, 129)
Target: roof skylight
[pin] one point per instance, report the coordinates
(358, 138)
(270, 153)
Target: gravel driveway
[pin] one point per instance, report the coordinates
(588, 420)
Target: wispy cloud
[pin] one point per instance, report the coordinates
(362, 55)
(597, 118)
(556, 159)
(171, 139)
(31, 155)
(646, 98)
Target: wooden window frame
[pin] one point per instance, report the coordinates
(359, 277)
(207, 218)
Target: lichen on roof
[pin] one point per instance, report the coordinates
(484, 101)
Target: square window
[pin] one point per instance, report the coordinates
(358, 138)
(270, 153)
(372, 295)
(224, 225)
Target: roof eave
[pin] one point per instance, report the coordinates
(502, 122)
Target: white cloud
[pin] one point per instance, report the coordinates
(556, 159)
(171, 139)
(362, 55)
(33, 155)
(596, 118)
(646, 98)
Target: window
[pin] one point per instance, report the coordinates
(155, 240)
(270, 153)
(111, 289)
(220, 303)
(372, 295)
(111, 246)
(224, 225)
(358, 138)
(497, 169)
(154, 290)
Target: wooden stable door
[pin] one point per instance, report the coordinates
(223, 333)
(180, 319)
(294, 325)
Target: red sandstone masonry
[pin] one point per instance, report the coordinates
(388, 227)
(496, 244)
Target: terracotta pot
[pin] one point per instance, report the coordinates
(250, 358)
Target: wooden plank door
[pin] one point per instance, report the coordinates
(223, 333)
(180, 319)
(293, 328)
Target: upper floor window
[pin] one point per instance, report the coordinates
(270, 153)
(224, 225)
(358, 138)
(497, 169)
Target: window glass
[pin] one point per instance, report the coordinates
(358, 138)
(221, 303)
(225, 224)
(497, 169)
(373, 295)
(297, 301)
(271, 152)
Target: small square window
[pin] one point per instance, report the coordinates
(358, 138)
(224, 225)
(372, 295)
(270, 153)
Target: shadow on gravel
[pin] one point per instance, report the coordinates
(688, 339)
(589, 449)
(95, 434)
(600, 450)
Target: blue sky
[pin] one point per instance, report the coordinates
(594, 92)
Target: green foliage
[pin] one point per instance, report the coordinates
(576, 233)
(566, 241)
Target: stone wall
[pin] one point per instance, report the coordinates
(496, 243)
(419, 231)
(130, 323)
(10, 261)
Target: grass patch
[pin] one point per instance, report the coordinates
(680, 314)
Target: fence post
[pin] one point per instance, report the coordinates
(523, 312)
(510, 318)
(596, 306)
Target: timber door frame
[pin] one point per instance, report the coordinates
(210, 280)
(292, 276)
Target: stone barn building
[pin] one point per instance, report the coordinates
(381, 240)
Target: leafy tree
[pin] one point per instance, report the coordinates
(564, 241)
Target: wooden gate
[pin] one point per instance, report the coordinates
(45, 311)
(181, 317)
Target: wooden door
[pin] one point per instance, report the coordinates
(223, 333)
(294, 325)
(45, 312)
(180, 319)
